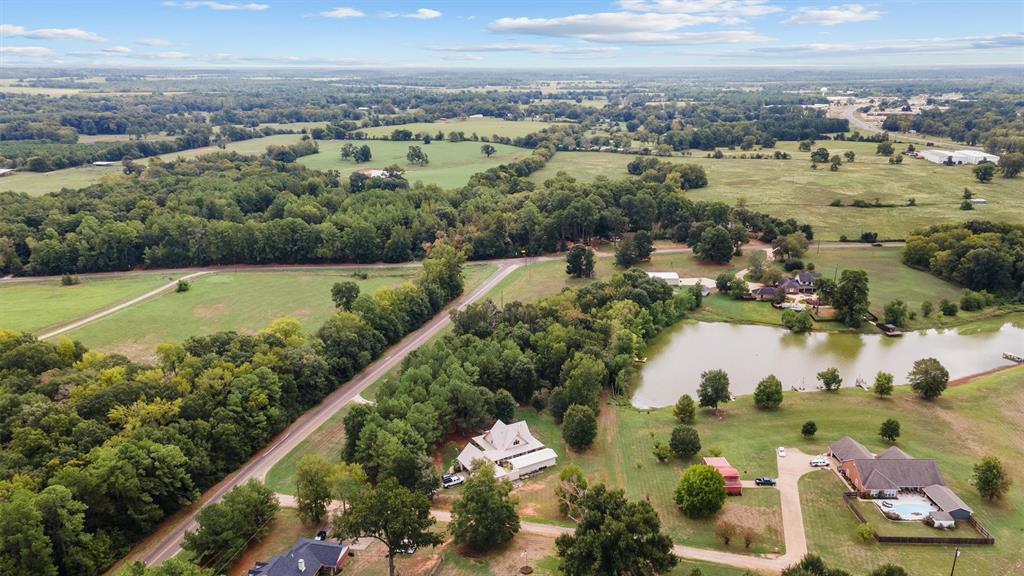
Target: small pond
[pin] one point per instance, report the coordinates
(748, 353)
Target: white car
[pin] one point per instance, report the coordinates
(451, 480)
(819, 462)
(781, 451)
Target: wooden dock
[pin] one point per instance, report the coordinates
(1014, 357)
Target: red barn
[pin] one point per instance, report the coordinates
(733, 486)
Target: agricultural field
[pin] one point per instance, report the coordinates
(39, 183)
(254, 146)
(791, 189)
(481, 126)
(35, 305)
(451, 164)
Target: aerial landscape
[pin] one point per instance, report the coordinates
(456, 288)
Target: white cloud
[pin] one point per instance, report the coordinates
(462, 58)
(340, 13)
(959, 45)
(737, 7)
(12, 31)
(531, 48)
(424, 14)
(834, 15)
(126, 52)
(117, 50)
(628, 27)
(219, 6)
(27, 51)
(153, 42)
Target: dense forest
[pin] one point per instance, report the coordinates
(96, 450)
(977, 255)
(563, 351)
(992, 121)
(230, 209)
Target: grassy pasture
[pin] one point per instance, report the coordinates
(482, 126)
(451, 164)
(253, 146)
(789, 188)
(33, 306)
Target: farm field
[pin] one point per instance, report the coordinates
(36, 305)
(482, 126)
(255, 146)
(451, 164)
(790, 189)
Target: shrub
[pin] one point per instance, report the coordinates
(971, 300)
(685, 441)
(967, 205)
(685, 409)
(809, 429)
(926, 308)
(725, 531)
(661, 452)
(797, 322)
(793, 264)
(866, 532)
(948, 308)
(768, 394)
(183, 286)
(837, 202)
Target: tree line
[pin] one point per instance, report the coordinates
(95, 450)
(978, 255)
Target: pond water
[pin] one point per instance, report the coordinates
(748, 353)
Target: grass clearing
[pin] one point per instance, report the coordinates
(326, 441)
(789, 188)
(36, 305)
(451, 164)
(244, 301)
(483, 127)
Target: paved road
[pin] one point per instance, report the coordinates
(118, 307)
(169, 543)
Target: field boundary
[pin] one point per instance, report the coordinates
(986, 538)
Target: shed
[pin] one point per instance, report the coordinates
(942, 520)
(530, 463)
(103, 163)
(733, 485)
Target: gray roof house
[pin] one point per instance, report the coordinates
(895, 474)
(948, 501)
(894, 453)
(307, 558)
(846, 449)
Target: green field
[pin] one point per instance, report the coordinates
(451, 164)
(481, 126)
(790, 189)
(254, 146)
(35, 305)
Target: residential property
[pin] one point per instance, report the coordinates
(307, 558)
(513, 450)
(373, 172)
(763, 293)
(733, 485)
(6, 172)
(670, 278)
(893, 472)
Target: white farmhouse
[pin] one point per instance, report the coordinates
(513, 450)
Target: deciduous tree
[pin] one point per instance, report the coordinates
(701, 491)
(768, 394)
(990, 478)
(928, 378)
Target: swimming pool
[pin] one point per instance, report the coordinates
(911, 510)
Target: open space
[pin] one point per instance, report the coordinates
(451, 164)
(791, 189)
(483, 127)
(32, 306)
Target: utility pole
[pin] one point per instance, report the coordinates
(955, 556)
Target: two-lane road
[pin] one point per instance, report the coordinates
(169, 542)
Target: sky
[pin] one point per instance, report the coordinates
(509, 33)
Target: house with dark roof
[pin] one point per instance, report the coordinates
(846, 449)
(894, 453)
(885, 478)
(307, 558)
(763, 293)
(808, 280)
(948, 502)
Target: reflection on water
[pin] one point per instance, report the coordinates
(749, 353)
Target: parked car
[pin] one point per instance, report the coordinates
(405, 547)
(451, 480)
(321, 535)
(763, 481)
(820, 462)
(782, 451)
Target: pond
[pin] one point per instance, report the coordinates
(748, 353)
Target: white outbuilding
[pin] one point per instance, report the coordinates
(958, 157)
(670, 278)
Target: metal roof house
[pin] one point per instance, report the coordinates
(307, 558)
(670, 278)
(512, 448)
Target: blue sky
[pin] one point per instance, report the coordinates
(521, 34)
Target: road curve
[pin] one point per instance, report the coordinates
(118, 307)
(169, 543)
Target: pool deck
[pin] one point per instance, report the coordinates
(920, 504)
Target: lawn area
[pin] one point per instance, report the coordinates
(34, 306)
(481, 126)
(326, 441)
(451, 164)
(629, 465)
(789, 188)
(253, 146)
(245, 301)
(886, 527)
(536, 280)
(284, 532)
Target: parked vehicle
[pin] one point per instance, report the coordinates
(782, 451)
(820, 462)
(451, 480)
(405, 547)
(321, 535)
(887, 504)
(763, 481)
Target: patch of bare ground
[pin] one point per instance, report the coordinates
(210, 311)
(142, 350)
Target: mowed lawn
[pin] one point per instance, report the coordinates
(252, 146)
(481, 126)
(451, 164)
(36, 305)
(791, 189)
